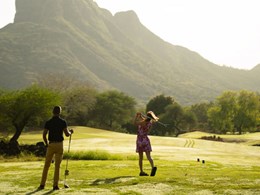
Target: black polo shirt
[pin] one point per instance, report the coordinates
(55, 126)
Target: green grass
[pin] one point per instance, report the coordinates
(110, 166)
(121, 177)
(186, 147)
(97, 155)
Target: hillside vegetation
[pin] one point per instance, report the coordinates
(84, 42)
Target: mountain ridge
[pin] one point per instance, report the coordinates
(109, 51)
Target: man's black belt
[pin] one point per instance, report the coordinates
(51, 142)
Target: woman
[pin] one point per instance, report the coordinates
(143, 144)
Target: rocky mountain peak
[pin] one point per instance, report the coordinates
(39, 11)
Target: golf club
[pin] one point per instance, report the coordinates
(67, 171)
(163, 124)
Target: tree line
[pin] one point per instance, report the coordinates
(28, 109)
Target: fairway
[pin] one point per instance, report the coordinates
(164, 148)
(229, 168)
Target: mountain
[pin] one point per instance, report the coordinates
(87, 43)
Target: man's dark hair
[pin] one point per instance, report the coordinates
(56, 110)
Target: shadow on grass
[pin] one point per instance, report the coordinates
(109, 180)
(37, 190)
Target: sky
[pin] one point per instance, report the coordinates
(225, 32)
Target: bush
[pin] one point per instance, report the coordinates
(96, 155)
(212, 138)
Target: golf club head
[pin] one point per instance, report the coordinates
(67, 172)
(66, 186)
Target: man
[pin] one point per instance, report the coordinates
(55, 127)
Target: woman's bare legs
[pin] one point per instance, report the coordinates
(141, 161)
(148, 155)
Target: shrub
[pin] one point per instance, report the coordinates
(95, 155)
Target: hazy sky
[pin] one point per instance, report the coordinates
(226, 32)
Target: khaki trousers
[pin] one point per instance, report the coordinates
(57, 150)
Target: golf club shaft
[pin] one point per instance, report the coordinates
(68, 152)
(69, 144)
(165, 125)
(66, 170)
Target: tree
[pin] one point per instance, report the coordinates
(19, 107)
(235, 111)
(201, 110)
(189, 120)
(6, 98)
(222, 114)
(159, 103)
(78, 104)
(177, 119)
(247, 113)
(215, 119)
(113, 109)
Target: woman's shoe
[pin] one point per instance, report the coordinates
(143, 174)
(153, 172)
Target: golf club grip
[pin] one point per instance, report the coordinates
(165, 125)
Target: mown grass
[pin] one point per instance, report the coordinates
(104, 162)
(245, 139)
(185, 147)
(121, 177)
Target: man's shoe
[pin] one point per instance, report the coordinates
(41, 187)
(56, 188)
